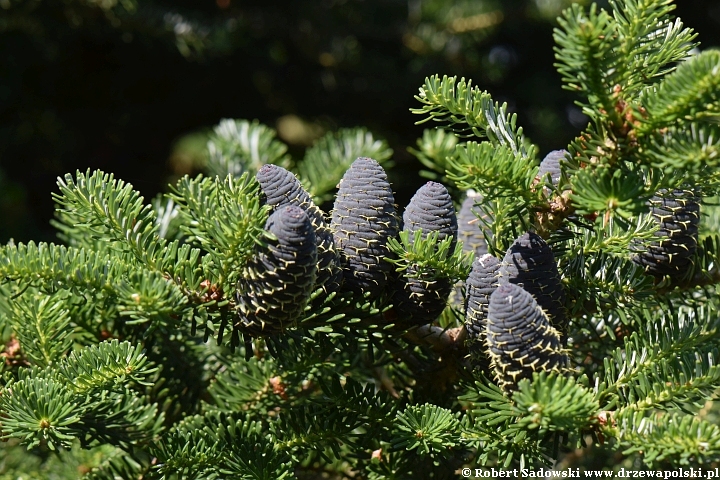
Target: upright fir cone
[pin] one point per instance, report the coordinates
(470, 228)
(470, 233)
(480, 284)
(280, 278)
(363, 220)
(421, 295)
(282, 188)
(671, 253)
(520, 339)
(530, 263)
(551, 165)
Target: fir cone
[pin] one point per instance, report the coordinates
(470, 228)
(363, 220)
(470, 232)
(530, 263)
(431, 210)
(282, 188)
(421, 295)
(520, 339)
(551, 165)
(480, 284)
(678, 214)
(280, 278)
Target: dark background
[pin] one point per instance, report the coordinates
(132, 87)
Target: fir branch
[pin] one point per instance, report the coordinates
(182, 264)
(56, 405)
(120, 418)
(502, 220)
(101, 366)
(587, 59)
(461, 105)
(107, 210)
(107, 215)
(603, 282)
(313, 343)
(688, 380)
(247, 384)
(611, 193)
(220, 443)
(376, 409)
(651, 39)
(433, 150)
(488, 404)
(42, 326)
(440, 259)
(671, 340)
(427, 428)
(495, 171)
(120, 465)
(239, 146)
(610, 58)
(233, 230)
(261, 461)
(39, 411)
(141, 294)
(145, 296)
(492, 427)
(327, 160)
(689, 94)
(692, 149)
(613, 238)
(187, 450)
(675, 438)
(49, 265)
(315, 428)
(554, 402)
(595, 146)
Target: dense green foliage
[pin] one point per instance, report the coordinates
(139, 348)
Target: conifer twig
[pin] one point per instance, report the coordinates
(441, 339)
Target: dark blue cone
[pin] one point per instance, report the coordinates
(280, 278)
(530, 263)
(282, 188)
(470, 228)
(480, 284)
(363, 220)
(520, 339)
(675, 244)
(421, 295)
(550, 165)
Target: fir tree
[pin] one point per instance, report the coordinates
(192, 337)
